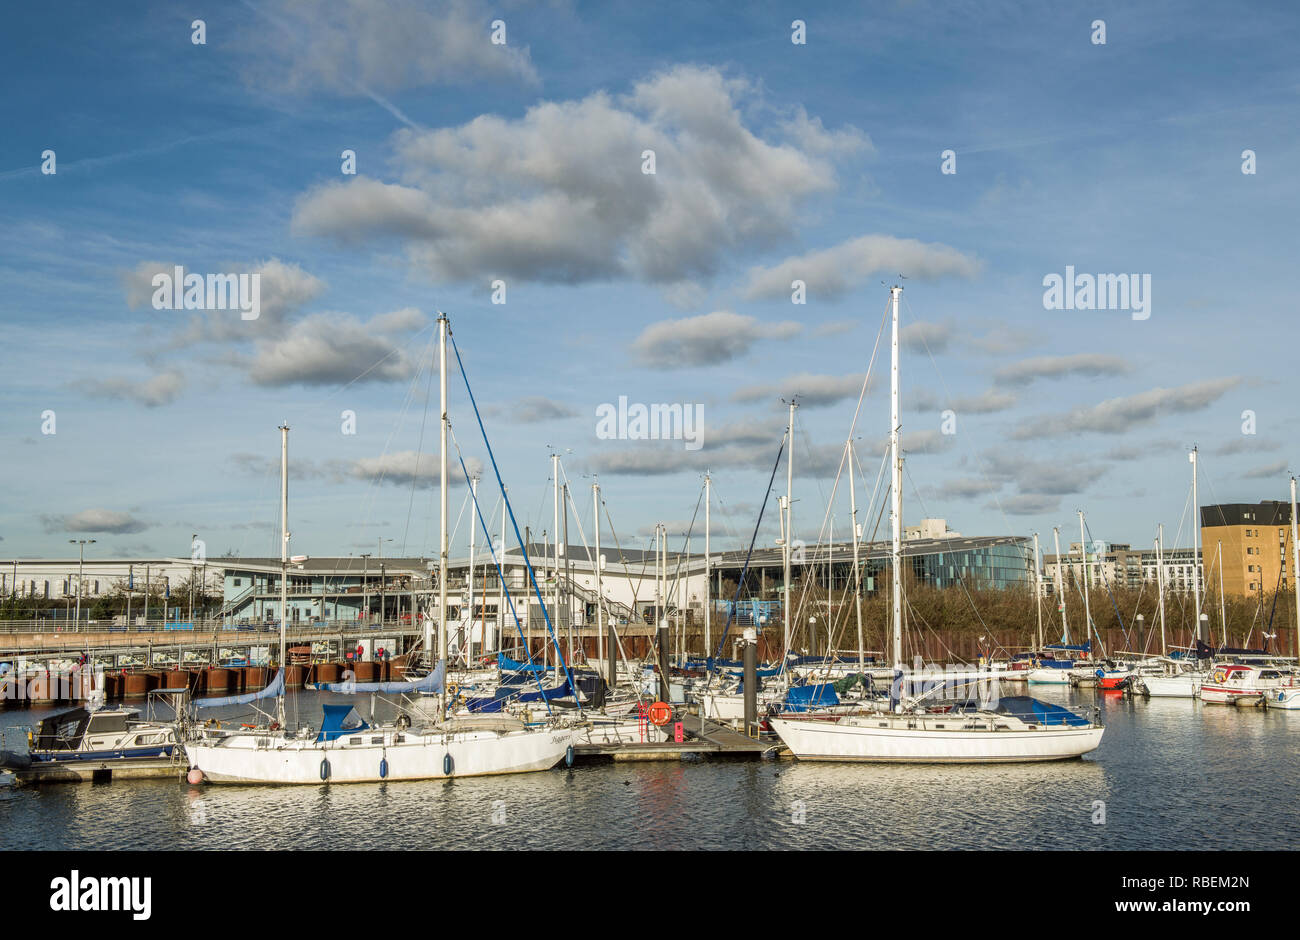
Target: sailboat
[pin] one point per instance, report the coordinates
(347, 749)
(1019, 729)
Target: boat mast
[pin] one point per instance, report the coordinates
(600, 593)
(896, 484)
(501, 579)
(555, 540)
(857, 575)
(469, 619)
(442, 508)
(1160, 584)
(1087, 606)
(1223, 614)
(1065, 624)
(284, 562)
(1295, 570)
(789, 524)
(1038, 589)
(1196, 545)
(568, 578)
(708, 599)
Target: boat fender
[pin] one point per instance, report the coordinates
(1101, 673)
(568, 756)
(325, 768)
(383, 768)
(446, 765)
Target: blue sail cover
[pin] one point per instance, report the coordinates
(276, 688)
(803, 698)
(333, 724)
(510, 665)
(1062, 646)
(497, 700)
(1033, 711)
(430, 683)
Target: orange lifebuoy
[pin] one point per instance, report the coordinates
(660, 713)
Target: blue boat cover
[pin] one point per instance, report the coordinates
(430, 683)
(802, 698)
(497, 700)
(333, 724)
(276, 687)
(1061, 646)
(1056, 663)
(1041, 713)
(510, 665)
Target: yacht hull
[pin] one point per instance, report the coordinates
(814, 740)
(372, 757)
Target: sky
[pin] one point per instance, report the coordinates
(501, 173)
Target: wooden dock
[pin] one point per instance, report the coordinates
(703, 738)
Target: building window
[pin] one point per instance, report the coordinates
(238, 582)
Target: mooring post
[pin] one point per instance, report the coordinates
(751, 683)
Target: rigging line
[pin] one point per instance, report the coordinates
(767, 495)
(979, 463)
(501, 574)
(960, 578)
(419, 449)
(532, 576)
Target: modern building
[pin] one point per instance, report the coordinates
(164, 581)
(1117, 565)
(1251, 542)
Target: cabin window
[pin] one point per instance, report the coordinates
(354, 740)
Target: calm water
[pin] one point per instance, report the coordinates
(1172, 774)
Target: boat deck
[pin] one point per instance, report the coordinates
(702, 737)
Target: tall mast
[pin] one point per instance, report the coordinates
(1295, 569)
(789, 524)
(1223, 610)
(555, 539)
(1065, 624)
(284, 560)
(708, 599)
(896, 484)
(1087, 606)
(600, 593)
(1160, 584)
(501, 581)
(857, 575)
(568, 576)
(1038, 589)
(1196, 545)
(469, 619)
(442, 507)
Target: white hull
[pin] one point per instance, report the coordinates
(1048, 677)
(1287, 699)
(359, 758)
(937, 739)
(1187, 686)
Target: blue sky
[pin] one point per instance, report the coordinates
(522, 162)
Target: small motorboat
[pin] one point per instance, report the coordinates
(96, 744)
(1239, 684)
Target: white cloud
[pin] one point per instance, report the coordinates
(559, 195)
(330, 349)
(1091, 365)
(161, 389)
(704, 340)
(833, 272)
(93, 521)
(1118, 415)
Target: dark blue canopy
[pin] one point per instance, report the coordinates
(1039, 713)
(332, 724)
(802, 698)
(1062, 646)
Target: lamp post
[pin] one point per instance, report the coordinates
(381, 580)
(81, 544)
(365, 582)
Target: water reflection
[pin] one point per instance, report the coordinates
(1169, 774)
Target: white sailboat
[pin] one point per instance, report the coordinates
(347, 749)
(1021, 729)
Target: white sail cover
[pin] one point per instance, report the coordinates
(276, 687)
(430, 683)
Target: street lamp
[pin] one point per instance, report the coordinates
(365, 584)
(81, 544)
(381, 580)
